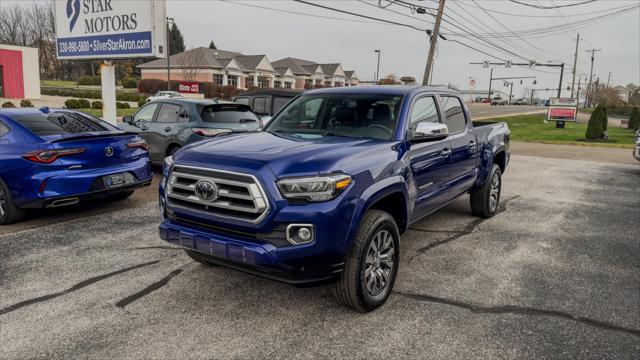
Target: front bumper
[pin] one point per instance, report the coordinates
(262, 259)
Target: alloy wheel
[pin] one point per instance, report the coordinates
(494, 192)
(379, 263)
(3, 202)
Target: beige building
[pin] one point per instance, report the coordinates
(244, 71)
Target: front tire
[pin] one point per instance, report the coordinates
(371, 265)
(9, 211)
(486, 198)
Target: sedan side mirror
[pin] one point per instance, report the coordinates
(128, 119)
(430, 131)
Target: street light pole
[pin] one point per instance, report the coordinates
(378, 68)
(169, 20)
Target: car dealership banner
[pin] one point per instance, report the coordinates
(108, 29)
(562, 109)
(189, 87)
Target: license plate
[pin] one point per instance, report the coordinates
(114, 180)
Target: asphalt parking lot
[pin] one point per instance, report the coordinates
(556, 274)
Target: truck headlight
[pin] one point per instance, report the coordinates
(166, 166)
(321, 188)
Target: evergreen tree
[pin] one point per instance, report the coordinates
(634, 119)
(212, 45)
(605, 118)
(595, 128)
(176, 45)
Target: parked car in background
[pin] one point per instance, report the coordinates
(265, 103)
(521, 101)
(497, 100)
(169, 124)
(636, 148)
(165, 95)
(52, 158)
(325, 190)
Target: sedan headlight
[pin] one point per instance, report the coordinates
(321, 188)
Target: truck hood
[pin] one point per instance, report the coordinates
(289, 154)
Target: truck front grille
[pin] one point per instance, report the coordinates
(219, 193)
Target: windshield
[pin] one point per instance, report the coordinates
(356, 115)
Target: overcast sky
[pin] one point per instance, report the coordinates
(252, 30)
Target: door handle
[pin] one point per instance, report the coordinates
(445, 152)
(167, 129)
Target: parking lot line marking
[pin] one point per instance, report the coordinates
(151, 288)
(75, 287)
(519, 310)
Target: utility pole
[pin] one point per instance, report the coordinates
(560, 84)
(169, 20)
(490, 80)
(589, 94)
(575, 63)
(609, 78)
(432, 47)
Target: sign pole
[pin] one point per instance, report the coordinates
(108, 78)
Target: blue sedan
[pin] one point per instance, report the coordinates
(52, 158)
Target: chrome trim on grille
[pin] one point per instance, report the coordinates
(238, 193)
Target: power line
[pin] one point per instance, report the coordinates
(360, 15)
(551, 7)
(547, 15)
(300, 13)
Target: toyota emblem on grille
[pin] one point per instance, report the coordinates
(206, 190)
(108, 151)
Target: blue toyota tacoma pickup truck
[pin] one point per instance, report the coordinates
(324, 192)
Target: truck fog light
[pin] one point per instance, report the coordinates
(299, 233)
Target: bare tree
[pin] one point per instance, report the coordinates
(191, 64)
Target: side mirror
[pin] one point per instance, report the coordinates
(128, 119)
(264, 121)
(430, 131)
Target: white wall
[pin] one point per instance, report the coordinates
(30, 70)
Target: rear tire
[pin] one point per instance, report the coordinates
(199, 258)
(371, 265)
(9, 211)
(486, 198)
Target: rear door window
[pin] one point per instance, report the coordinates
(454, 114)
(169, 113)
(260, 105)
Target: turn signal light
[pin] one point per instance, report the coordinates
(49, 156)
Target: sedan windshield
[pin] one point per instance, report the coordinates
(355, 115)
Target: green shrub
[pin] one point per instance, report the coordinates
(605, 121)
(8, 104)
(141, 102)
(85, 80)
(84, 103)
(26, 103)
(129, 83)
(634, 119)
(123, 105)
(72, 104)
(96, 104)
(596, 127)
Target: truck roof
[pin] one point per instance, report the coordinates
(382, 89)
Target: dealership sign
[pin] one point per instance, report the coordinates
(562, 109)
(103, 29)
(189, 87)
